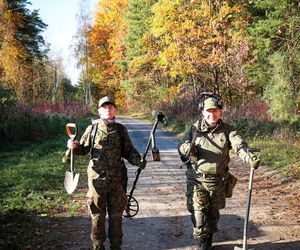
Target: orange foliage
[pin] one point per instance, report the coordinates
(13, 59)
(106, 45)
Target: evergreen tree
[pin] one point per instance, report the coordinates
(138, 15)
(275, 34)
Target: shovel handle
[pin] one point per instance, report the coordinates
(71, 134)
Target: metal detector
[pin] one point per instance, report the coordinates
(71, 178)
(248, 203)
(132, 205)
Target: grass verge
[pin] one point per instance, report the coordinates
(32, 191)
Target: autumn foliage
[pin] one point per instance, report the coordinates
(181, 48)
(156, 53)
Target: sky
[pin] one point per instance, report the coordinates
(60, 16)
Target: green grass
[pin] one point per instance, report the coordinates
(32, 195)
(32, 177)
(280, 155)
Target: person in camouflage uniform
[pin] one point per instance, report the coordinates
(208, 177)
(107, 174)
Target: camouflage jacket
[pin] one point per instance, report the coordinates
(111, 143)
(210, 154)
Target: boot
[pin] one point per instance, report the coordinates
(98, 247)
(205, 243)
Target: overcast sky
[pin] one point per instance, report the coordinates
(60, 16)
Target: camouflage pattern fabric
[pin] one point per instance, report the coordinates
(207, 197)
(212, 147)
(113, 200)
(208, 174)
(106, 176)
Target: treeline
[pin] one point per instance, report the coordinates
(29, 78)
(163, 54)
(25, 66)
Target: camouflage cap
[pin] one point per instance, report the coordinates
(106, 99)
(210, 103)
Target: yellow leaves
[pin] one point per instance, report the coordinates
(165, 11)
(184, 40)
(12, 55)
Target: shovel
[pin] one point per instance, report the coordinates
(248, 203)
(71, 178)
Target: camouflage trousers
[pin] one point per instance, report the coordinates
(206, 196)
(111, 200)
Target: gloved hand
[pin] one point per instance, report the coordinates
(186, 150)
(254, 162)
(142, 164)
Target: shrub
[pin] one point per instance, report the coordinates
(26, 123)
(250, 128)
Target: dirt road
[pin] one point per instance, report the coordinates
(163, 221)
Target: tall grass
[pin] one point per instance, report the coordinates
(32, 176)
(34, 124)
(32, 192)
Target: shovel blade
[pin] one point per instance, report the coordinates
(71, 181)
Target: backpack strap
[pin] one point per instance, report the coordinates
(92, 135)
(227, 136)
(121, 133)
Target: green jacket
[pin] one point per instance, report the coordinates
(111, 144)
(210, 154)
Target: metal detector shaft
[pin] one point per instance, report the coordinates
(138, 172)
(160, 118)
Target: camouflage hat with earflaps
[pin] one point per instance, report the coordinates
(106, 99)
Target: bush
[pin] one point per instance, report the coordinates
(31, 127)
(25, 123)
(250, 128)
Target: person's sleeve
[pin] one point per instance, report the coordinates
(130, 153)
(184, 149)
(83, 146)
(239, 145)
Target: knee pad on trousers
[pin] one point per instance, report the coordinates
(198, 218)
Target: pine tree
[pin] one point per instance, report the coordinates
(137, 17)
(275, 34)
